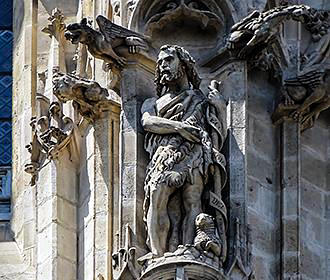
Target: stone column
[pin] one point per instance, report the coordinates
(98, 175)
(234, 77)
(290, 168)
(136, 86)
(290, 196)
(23, 221)
(106, 183)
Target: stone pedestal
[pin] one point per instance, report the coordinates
(183, 270)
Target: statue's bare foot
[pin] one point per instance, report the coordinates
(146, 257)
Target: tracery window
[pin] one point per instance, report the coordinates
(6, 48)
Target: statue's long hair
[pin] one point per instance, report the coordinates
(188, 65)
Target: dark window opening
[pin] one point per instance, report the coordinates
(6, 50)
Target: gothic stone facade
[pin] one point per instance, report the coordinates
(169, 140)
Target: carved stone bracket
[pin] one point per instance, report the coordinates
(206, 15)
(304, 98)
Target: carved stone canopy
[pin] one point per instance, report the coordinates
(205, 14)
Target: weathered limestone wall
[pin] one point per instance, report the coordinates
(23, 221)
(99, 177)
(315, 187)
(263, 191)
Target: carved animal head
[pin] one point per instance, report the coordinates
(80, 32)
(204, 221)
(62, 87)
(173, 63)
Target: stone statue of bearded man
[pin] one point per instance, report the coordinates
(185, 133)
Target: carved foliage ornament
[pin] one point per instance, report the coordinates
(51, 132)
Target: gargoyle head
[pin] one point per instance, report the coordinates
(62, 87)
(79, 32)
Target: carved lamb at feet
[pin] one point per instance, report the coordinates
(206, 239)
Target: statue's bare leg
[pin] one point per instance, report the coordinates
(175, 215)
(192, 201)
(158, 221)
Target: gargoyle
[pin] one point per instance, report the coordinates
(90, 98)
(304, 98)
(104, 44)
(253, 34)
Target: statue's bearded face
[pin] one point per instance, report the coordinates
(170, 67)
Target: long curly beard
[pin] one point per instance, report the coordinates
(172, 77)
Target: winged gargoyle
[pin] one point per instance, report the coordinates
(105, 43)
(254, 33)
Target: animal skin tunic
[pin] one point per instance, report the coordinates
(173, 158)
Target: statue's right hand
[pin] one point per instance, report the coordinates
(189, 132)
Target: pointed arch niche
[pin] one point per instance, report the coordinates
(197, 25)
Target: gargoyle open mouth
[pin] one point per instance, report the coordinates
(73, 36)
